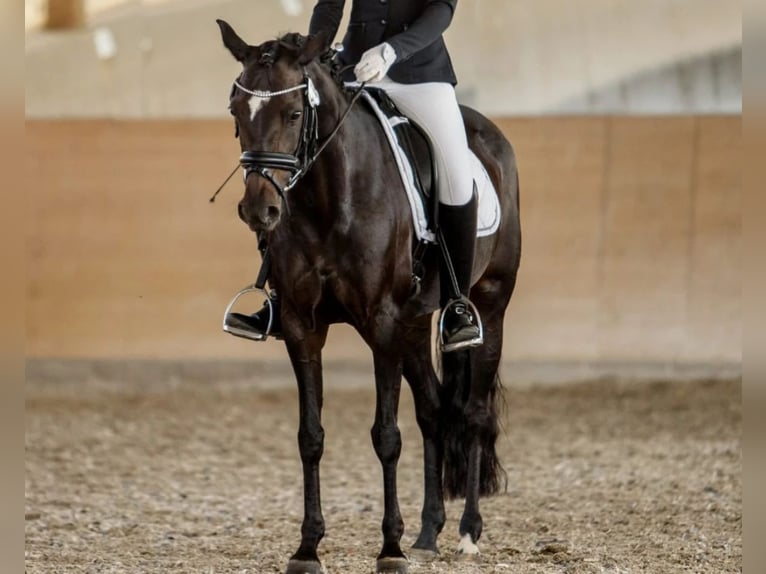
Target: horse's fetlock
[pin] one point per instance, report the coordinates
(393, 527)
(313, 529)
(436, 516)
(472, 523)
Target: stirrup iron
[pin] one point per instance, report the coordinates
(237, 331)
(475, 342)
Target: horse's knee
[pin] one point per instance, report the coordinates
(311, 443)
(387, 441)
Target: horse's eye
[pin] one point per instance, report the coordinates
(295, 116)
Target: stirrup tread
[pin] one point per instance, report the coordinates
(250, 335)
(477, 341)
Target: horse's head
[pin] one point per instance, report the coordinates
(269, 103)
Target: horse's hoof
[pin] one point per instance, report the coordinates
(392, 566)
(422, 554)
(467, 550)
(304, 567)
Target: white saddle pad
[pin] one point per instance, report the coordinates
(488, 216)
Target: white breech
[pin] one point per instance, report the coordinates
(434, 107)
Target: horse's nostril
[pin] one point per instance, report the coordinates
(273, 212)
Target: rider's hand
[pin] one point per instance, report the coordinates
(375, 63)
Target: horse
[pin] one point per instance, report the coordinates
(340, 237)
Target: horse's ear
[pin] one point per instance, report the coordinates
(236, 45)
(314, 47)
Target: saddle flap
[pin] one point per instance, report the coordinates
(416, 162)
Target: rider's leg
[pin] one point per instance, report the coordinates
(461, 327)
(435, 108)
(256, 326)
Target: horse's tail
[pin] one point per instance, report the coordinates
(461, 427)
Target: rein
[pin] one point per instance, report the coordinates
(309, 149)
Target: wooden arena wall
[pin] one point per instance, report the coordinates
(631, 241)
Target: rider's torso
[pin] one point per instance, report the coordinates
(374, 21)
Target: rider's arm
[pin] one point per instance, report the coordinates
(425, 30)
(327, 16)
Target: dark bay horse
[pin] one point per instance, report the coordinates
(341, 239)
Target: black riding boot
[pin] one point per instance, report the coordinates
(256, 326)
(458, 228)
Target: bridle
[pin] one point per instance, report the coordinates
(263, 163)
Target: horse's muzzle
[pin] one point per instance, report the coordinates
(259, 219)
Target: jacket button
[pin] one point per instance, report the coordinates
(383, 22)
(384, 1)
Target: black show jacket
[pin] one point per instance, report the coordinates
(414, 29)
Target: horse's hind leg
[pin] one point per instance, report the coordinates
(387, 441)
(483, 471)
(305, 355)
(419, 372)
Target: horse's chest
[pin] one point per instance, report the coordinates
(329, 282)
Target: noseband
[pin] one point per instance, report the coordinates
(263, 163)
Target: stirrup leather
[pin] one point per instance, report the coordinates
(475, 342)
(237, 331)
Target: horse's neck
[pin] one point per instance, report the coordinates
(327, 196)
(346, 204)
(349, 194)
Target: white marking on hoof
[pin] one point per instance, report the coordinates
(256, 103)
(467, 547)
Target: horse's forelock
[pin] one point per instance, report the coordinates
(289, 44)
(293, 41)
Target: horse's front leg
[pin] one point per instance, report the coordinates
(419, 372)
(388, 445)
(305, 350)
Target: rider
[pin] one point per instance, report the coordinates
(397, 45)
